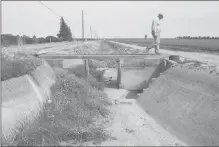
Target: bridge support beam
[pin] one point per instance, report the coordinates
(119, 84)
(86, 69)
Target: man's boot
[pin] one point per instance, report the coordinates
(157, 53)
(157, 50)
(147, 49)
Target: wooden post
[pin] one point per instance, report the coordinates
(119, 73)
(86, 69)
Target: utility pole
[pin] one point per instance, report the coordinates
(90, 33)
(86, 65)
(82, 25)
(23, 40)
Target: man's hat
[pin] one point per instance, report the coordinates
(161, 14)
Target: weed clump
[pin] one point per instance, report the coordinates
(17, 64)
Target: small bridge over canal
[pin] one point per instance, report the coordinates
(134, 71)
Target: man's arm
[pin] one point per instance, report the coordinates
(154, 25)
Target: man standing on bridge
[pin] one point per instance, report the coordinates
(155, 31)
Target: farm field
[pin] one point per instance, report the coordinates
(199, 45)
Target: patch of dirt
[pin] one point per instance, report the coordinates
(201, 67)
(130, 125)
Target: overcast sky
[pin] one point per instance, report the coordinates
(112, 18)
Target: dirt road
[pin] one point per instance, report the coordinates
(89, 47)
(203, 57)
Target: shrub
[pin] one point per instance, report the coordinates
(94, 77)
(17, 64)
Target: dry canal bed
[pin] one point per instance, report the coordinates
(179, 107)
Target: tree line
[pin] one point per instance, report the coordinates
(9, 39)
(196, 37)
(64, 34)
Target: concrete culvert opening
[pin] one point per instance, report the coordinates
(137, 73)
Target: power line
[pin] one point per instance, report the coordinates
(50, 9)
(55, 13)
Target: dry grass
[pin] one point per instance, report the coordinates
(103, 63)
(94, 77)
(72, 115)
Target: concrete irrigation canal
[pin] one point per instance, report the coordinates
(156, 101)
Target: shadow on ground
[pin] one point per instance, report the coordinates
(132, 94)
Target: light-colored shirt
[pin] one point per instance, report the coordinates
(156, 25)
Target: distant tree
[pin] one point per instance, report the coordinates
(51, 38)
(41, 40)
(65, 31)
(35, 40)
(8, 39)
(27, 40)
(4, 42)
